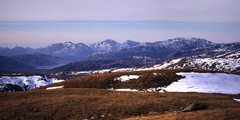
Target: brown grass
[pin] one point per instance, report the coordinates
(79, 103)
(217, 114)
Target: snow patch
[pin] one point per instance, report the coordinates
(125, 78)
(157, 74)
(55, 87)
(167, 64)
(238, 100)
(129, 90)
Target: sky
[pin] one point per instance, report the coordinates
(37, 23)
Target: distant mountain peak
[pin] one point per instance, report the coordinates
(109, 40)
(68, 43)
(106, 45)
(129, 43)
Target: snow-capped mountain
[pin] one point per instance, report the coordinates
(160, 49)
(106, 45)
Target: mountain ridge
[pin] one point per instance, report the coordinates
(117, 54)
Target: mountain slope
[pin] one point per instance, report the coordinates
(227, 62)
(134, 61)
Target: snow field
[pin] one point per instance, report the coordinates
(206, 83)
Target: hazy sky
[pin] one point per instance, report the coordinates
(37, 23)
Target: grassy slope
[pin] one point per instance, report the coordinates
(76, 103)
(80, 99)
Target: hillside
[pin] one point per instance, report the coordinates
(90, 97)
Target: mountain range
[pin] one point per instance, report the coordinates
(112, 54)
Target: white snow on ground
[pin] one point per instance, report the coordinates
(29, 82)
(238, 100)
(206, 83)
(123, 70)
(55, 87)
(125, 78)
(129, 90)
(166, 64)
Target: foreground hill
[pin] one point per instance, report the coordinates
(90, 98)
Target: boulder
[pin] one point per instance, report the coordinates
(193, 107)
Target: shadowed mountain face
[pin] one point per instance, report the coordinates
(29, 63)
(9, 65)
(40, 60)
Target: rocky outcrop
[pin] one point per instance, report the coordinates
(193, 107)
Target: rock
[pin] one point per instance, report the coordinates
(193, 107)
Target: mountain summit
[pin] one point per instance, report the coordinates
(106, 45)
